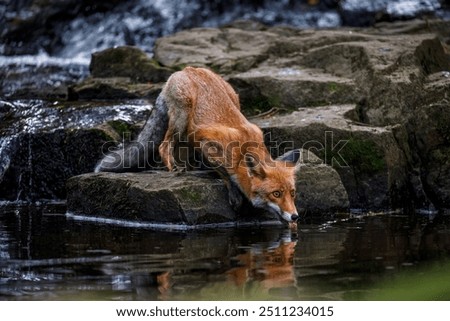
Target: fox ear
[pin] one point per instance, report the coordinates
(291, 157)
(254, 166)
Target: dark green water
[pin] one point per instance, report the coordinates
(45, 255)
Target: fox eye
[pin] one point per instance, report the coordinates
(276, 194)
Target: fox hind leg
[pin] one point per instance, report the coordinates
(166, 150)
(171, 142)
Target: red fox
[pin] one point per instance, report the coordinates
(199, 107)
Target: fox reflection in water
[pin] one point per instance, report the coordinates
(272, 267)
(155, 285)
(264, 266)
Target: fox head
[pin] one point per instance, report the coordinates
(272, 184)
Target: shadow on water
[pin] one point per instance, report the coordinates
(47, 256)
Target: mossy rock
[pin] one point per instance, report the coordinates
(113, 88)
(127, 61)
(195, 198)
(151, 197)
(369, 161)
(362, 155)
(124, 130)
(290, 88)
(41, 162)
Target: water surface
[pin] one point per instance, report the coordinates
(45, 255)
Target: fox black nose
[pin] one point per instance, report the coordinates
(294, 217)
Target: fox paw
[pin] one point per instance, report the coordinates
(179, 169)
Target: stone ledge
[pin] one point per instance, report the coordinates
(193, 198)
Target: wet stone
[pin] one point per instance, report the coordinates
(43, 144)
(195, 198)
(127, 61)
(157, 196)
(368, 159)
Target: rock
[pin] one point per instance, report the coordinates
(224, 50)
(352, 55)
(368, 159)
(394, 72)
(39, 163)
(290, 88)
(158, 197)
(320, 192)
(288, 68)
(129, 62)
(432, 56)
(437, 174)
(79, 27)
(431, 125)
(195, 198)
(43, 144)
(121, 73)
(398, 88)
(113, 89)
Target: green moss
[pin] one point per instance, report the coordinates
(102, 134)
(191, 195)
(179, 67)
(259, 104)
(215, 68)
(363, 155)
(154, 62)
(317, 103)
(121, 127)
(333, 87)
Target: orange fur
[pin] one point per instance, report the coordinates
(204, 110)
(273, 268)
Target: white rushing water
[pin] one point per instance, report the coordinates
(140, 22)
(36, 115)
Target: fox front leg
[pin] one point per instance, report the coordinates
(215, 158)
(235, 196)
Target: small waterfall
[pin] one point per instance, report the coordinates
(140, 22)
(6, 149)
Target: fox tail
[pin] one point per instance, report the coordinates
(135, 155)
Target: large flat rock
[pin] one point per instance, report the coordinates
(154, 196)
(194, 198)
(292, 87)
(225, 49)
